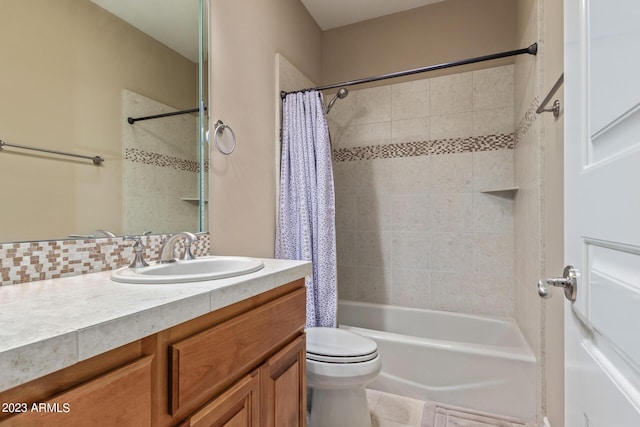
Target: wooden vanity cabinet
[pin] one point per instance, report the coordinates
(204, 360)
(242, 365)
(271, 396)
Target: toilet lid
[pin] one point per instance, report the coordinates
(339, 346)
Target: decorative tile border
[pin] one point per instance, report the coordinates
(30, 261)
(527, 121)
(162, 160)
(425, 148)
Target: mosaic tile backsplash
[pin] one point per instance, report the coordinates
(30, 261)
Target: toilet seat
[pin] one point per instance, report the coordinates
(333, 345)
(338, 359)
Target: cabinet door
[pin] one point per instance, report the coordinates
(284, 390)
(237, 407)
(118, 398)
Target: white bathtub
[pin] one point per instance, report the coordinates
(476, 362)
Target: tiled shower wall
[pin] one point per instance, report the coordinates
(412, 161)
(530, 309)
(160, 169)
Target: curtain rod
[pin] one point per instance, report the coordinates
(132, 120)
(531, 50)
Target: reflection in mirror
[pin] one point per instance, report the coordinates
(71, 73)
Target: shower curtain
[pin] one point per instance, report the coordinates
(306, 222)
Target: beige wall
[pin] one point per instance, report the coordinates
(64, 65)
(441, 32)
(538, 209)
(245, 36)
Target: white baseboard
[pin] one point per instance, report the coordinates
(545, 422)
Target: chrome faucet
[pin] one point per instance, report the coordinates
(167, 252)
(103, 233)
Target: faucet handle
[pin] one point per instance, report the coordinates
(138, 249)
(187, 248)
(136, 239)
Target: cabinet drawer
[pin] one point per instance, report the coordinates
(118, 398)
(202, 365)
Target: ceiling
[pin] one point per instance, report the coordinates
(336, 13)
(173, 23)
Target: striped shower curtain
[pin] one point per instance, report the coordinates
(306, 219)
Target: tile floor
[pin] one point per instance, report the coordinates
(389, 410)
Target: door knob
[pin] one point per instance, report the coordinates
(569, 282)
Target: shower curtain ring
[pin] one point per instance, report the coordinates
(219, 129)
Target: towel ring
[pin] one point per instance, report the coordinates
(218, 130)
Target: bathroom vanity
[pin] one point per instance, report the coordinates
(240, 363)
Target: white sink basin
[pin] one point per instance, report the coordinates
(200, 269)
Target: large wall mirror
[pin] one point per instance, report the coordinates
(72, 72)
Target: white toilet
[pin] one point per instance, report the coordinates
(339, 365)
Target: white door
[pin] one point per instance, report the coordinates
(602, 211)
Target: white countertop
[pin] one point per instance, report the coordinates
(51, 324)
